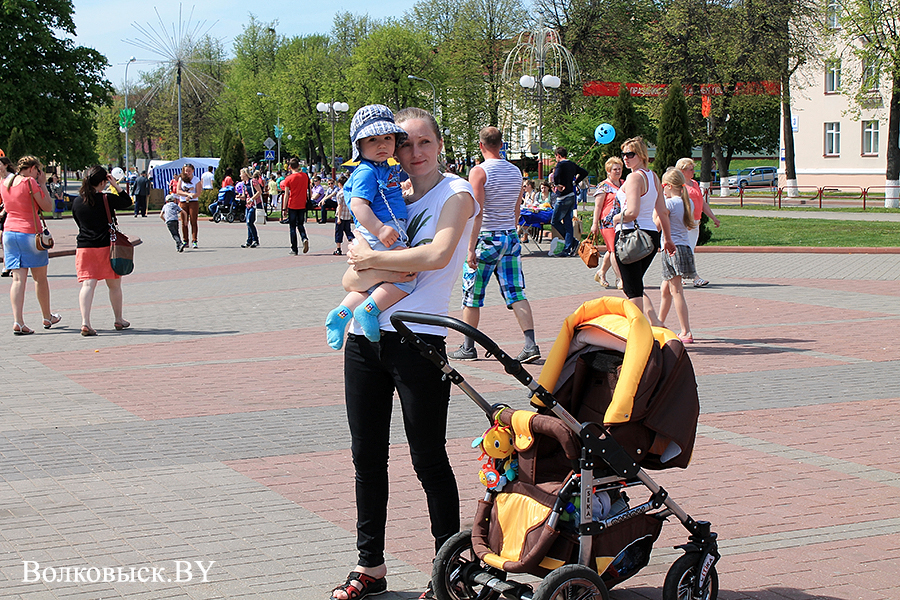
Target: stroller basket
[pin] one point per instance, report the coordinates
(614, 399)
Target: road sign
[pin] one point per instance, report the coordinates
(270, 155)
(269, 143)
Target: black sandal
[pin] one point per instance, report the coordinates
(370, 586)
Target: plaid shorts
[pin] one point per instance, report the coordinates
(679, 265)
(498, 253)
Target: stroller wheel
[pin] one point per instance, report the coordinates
(572, 581)
(681, 576)
(454, 568)
(217, 217)
(230, 217)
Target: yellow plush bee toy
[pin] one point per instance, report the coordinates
(497, 445)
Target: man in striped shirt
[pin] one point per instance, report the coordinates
(494, 247)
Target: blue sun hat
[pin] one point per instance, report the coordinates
(374, 119)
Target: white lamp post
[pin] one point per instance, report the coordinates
(130, 60)
(433, 93)
(332, 113)
(537, 87)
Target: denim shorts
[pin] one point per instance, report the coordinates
(19, 251)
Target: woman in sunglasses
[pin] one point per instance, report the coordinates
(643, 204)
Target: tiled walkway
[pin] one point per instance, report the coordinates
(214, 429)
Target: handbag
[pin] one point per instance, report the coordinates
(633, 245)
(121, 249)
(589, 252)
(43, 240)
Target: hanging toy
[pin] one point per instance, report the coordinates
(496, 442)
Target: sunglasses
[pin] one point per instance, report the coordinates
(629, 154)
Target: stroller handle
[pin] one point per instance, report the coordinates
(510, 364)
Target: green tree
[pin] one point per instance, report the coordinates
(17, 147)
(674, 138)
(49, 87)
(231, 155)
(876, 23)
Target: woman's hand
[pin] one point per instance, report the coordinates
(360, 254)
(595, 229)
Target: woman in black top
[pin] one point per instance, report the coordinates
(92, 252)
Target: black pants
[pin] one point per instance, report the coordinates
(343, 228)
(140, 205)
(296, 220)
(174, 226)
(371, 373)
(633, 274)
(324, 207)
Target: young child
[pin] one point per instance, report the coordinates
(169, 214)
(379, 213)
(680, 264)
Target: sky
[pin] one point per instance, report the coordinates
(105, 25)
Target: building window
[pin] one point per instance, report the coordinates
(832, 139)
(870, 138)
(833, 77)
(871, 75)
(832, 14)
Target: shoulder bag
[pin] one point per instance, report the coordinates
(589, 252)
(42, 239)
(633, 245)
(121, 249)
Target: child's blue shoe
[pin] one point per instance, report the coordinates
(366, 315)
(335, 324)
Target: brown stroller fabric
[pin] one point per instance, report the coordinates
(662, 407)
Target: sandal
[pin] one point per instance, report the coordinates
(700, 282)
(601, 279)
(53, 320)
(370, 586)
(686, 339)
(120, 325)
(88, 331)
(22, 329)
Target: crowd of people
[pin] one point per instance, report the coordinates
(417, 228)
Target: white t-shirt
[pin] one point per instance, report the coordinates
(207, 180)
(189, 188)
(433, 288)
(648, 204)
(676, 221)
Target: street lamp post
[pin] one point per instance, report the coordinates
(332, 113)
(538, 86)
(277, 125)
(433, 93)
(130, 60)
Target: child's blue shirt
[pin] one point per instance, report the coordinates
(368, 180)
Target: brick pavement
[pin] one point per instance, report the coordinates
(214, 430)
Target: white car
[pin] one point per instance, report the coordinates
(754, 177)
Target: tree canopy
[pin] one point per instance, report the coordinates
(49, 87)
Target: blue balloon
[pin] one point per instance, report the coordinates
(605, 133)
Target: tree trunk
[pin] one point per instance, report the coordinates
(790, 167)
(892, 173)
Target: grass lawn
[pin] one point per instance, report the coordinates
(768, 231)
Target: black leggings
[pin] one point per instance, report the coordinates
(371, 373)
(633, 274)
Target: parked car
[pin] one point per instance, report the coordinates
(754, 177)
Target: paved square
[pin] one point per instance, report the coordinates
(205, 454)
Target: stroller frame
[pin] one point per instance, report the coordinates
(691, 577)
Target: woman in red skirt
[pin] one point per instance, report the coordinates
(92, 252)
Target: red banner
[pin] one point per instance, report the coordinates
(611, 88)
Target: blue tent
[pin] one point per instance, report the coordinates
(163, 173)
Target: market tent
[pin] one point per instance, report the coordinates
(164, 172)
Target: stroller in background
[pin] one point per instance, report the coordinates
(624, 400)
(228, 207)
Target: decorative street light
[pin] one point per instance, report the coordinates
(542, 58)
(277, 125)
(433, 93)
(332, 112)
(130, 60)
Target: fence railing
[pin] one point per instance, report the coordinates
(804, 195)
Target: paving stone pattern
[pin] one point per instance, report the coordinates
(214, 430)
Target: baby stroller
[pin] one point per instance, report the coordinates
(228, 208)
(623, 401)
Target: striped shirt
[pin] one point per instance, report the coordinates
(502, 190)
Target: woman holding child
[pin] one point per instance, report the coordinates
(373, 370)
